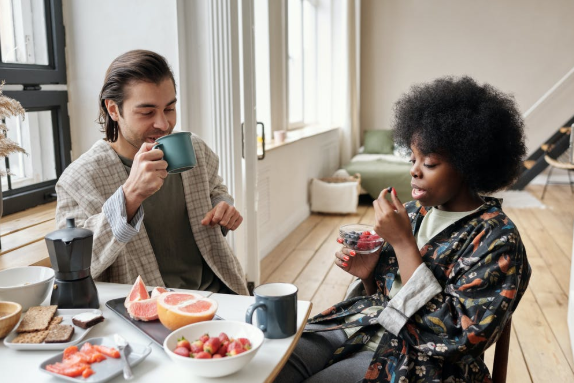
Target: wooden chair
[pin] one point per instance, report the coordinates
(564, 161)
(500, 364)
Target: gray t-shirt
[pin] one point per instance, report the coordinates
(180, 262)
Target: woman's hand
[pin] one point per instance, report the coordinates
(360, 265)
(392, 223)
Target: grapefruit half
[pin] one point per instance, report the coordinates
(137, 293)
(176, 310)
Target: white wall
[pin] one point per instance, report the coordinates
(520, 46)
(96, 33)
(283, 184)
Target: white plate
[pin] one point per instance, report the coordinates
(106, 369)
(66, 314)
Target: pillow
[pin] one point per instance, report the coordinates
(378, 142)
(339, 198)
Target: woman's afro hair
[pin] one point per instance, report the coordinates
(478, 128)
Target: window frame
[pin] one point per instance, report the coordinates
(55, 71)
(303, 123)
(32, 77)
(43, 192)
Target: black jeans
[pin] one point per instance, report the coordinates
(313, 351)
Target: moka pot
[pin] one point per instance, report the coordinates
(70, 251)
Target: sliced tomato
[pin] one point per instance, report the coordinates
(108, 351)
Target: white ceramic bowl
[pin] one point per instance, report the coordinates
(213, 368)
(29, 286)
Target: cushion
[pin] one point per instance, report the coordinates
(378, 142)
(329, 197)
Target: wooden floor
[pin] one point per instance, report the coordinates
(540, 345)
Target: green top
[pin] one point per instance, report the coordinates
(166, 221)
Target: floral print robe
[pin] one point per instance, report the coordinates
(481, 264)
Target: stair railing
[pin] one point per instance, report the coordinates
(548, 93)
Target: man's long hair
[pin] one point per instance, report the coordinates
(132, 66)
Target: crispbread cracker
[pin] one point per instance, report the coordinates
(31, 337)
(54, 322)
(60, 333)
(37, 318)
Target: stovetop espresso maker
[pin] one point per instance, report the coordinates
(70, 252)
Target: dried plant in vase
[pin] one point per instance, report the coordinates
(8, 108)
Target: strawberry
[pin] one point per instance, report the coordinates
(182, 342)
(216, 356)
(203, 355)
(223, 337)
(245, 342)
(212, 345)
(236, 351)
(204, 337)
(196, 346)
(363, 245)
(223, 348)
(181, 351)
(235, 348)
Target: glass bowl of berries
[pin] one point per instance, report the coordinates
(361, 238)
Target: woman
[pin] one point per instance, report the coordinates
(453, 267)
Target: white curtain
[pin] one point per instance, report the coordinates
(346, 75)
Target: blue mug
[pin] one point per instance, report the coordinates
(177, 151)
(276, 306)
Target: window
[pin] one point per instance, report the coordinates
(32, 56)
(32, 42)
(302, 62)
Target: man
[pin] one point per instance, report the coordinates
(168, 228)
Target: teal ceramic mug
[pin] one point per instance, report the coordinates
(177, 151)
(276, 306)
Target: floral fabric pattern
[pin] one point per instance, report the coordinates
(481, 264)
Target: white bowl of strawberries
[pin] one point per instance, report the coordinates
(214, 348)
